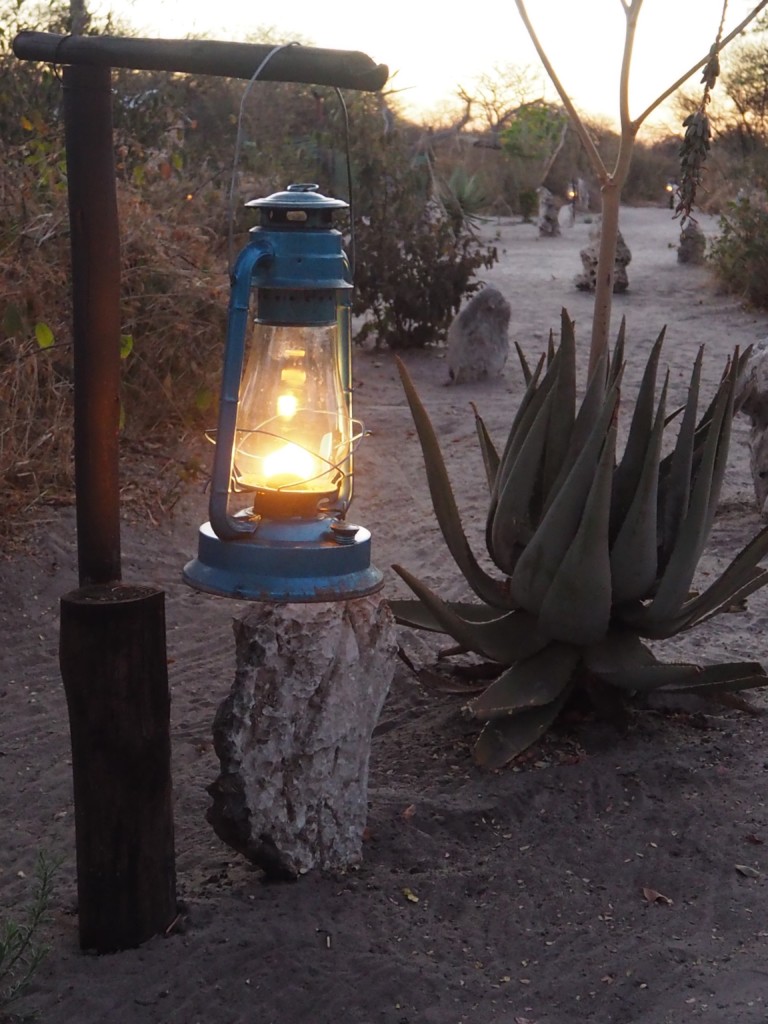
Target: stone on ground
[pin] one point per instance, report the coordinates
(586, 280)
(478, 338)
(752, 401)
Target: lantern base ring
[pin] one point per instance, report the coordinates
(287, 560)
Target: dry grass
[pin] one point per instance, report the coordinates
(174, 294)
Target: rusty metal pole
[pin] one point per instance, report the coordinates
(95, 240)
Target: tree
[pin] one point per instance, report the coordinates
(611, 182)
(500, 93)
(536, 134)
(80, 19)
(745, 83)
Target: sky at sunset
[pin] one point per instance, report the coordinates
(433, 51)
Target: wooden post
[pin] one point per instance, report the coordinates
(112, 657)
(95, 239)
(112, 642)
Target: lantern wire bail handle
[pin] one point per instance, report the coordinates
(239, 145)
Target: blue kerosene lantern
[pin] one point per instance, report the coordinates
(282, 469)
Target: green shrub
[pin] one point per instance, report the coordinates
(414, 248)
(528, 203)
(21, 951)
(739, 255)
(414, 266)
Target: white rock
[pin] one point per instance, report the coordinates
(294, 734)
(478, 338)
(586, 281)
(549, 214)
(752, 401)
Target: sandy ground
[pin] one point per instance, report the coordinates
(530, 880)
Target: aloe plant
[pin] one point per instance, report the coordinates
(596, 553)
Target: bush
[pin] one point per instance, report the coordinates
(415, 250)
(412, 289)
(739, 255)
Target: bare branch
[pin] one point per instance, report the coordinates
(591, 150)
(626, 63)
(550, 161)
(700, 64)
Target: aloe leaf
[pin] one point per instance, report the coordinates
(759, 578)
(696, 612)
(447, 514)
(733, 368)
(527, 375)
(728, 678)
(591, 403)
(631, 465)
(618, 650)
(530, 408)
(634, 552)
(616, 363)
(530, 405)
(511, 523)
(741, 361)
(413, 613)
(588, 414)
(645, 678)
(675, 582)
(539, 563)
(721, 455)
(491, 458)
(503, 739)
(526, 684)
(742, 572)
(674, 487)
(562, 408)
(535, 393)
(506, 639)
(577, 606)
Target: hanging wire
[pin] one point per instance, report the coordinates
(345, 121)
(238, 146)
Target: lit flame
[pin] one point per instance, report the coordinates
(289, 465)
(287, 406)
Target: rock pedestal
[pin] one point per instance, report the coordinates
(478, 338)
(549, 223)
(752, 401)
(293, 736)
(692, 244)
(585, 281)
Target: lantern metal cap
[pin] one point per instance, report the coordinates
(302, 196)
